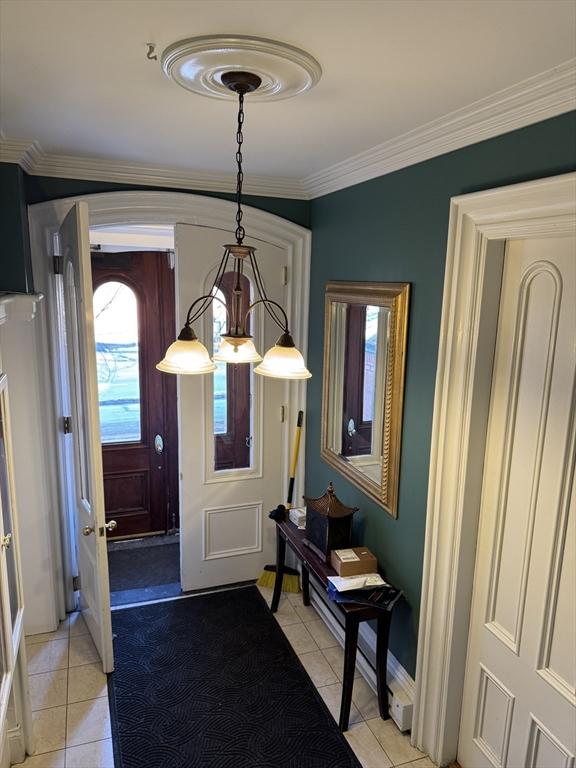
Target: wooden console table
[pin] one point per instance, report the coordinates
(287, 533)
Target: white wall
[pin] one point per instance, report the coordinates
(21, 351)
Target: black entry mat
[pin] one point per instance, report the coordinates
(144, 567)
(212, 682)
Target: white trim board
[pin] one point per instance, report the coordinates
(537, 98)
(479, 226)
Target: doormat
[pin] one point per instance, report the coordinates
(212, 682)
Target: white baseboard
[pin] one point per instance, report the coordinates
(16, 745)
(400, 684)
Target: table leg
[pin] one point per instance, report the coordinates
(383, 630)
(350, 645)
(305, 585)
(280, 557)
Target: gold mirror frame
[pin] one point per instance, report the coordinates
(395, 298)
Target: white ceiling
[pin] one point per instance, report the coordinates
(74, 75)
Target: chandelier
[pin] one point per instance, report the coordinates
(187, 355)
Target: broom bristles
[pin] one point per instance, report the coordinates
(290, 582)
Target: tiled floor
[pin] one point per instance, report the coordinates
(377, 743)
(70, 698)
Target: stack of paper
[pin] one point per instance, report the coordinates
(363, 581)
(298, 517)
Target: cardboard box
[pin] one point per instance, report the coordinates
(354, 561)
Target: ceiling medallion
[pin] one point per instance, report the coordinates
(199, 63)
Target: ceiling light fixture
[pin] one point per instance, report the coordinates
(188, 355)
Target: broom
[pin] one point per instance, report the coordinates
(290, 580)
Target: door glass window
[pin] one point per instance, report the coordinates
(370, 347)
(232, 405)
(220, 378)
(7, 525)
(118, 362)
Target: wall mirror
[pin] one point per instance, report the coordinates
(363, 387)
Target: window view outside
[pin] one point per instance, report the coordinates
(370, 345)
(219, 327)
(117, 359)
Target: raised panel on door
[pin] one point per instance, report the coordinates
(521, 611)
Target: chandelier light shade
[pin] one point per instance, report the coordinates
(188, 355)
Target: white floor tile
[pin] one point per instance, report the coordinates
(86, 682)
(46, 657)
(395, 743)
(48, 689)
(366, 747)
(286, 614)
(335, 657)
(82, 651)
(97, 754)
(299, 637)
(332, 695)
(77, 625)
(365, 699)
(306, 612)
(49, 726)
(87, 721)
(47, 760)
(319, 671)
(321, 634)
(424, 762)
(43, 637)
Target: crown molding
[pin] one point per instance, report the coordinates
(35, 161)
(538, 98)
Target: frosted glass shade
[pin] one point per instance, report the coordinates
(283, 363)
(186, 358)
(243, 353)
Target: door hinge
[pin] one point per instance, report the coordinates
(75, 583)
(67, 424)
(58, 264)
(284, 275)
(282, 413)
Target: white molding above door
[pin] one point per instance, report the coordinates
(479, 226)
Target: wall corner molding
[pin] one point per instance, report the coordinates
(540, 97)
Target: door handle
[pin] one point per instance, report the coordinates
(111, 526)
(6, 541)
(87, 530)
(159, 444)
(351, 428)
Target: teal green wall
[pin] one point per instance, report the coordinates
(17, 190)
(15, 266)
(394, 228)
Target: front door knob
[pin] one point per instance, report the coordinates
(111, 526)
(87, 530)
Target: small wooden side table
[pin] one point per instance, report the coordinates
(287, 533)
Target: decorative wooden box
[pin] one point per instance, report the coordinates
(328, 524)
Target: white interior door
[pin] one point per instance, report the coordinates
(519, 694)
(227, 536)
(87, 472)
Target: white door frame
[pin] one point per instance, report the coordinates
(479, 226)
(165, 209)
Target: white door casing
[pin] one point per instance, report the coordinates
(519, 693)
(88, 478)
(226, 534)
(142, 209)
(479, 226)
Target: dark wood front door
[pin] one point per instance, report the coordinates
(133, 325)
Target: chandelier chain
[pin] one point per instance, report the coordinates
(240, 233)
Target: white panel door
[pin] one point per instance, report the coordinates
(226, 534)
(519, 694)
(87, 472)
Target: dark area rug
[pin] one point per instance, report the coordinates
(212, 682)
(144, 567)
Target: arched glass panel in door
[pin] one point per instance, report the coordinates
(118, 362)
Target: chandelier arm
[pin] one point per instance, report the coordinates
(282, 325)
(262, 291)
(209, 298)
(215, 285)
